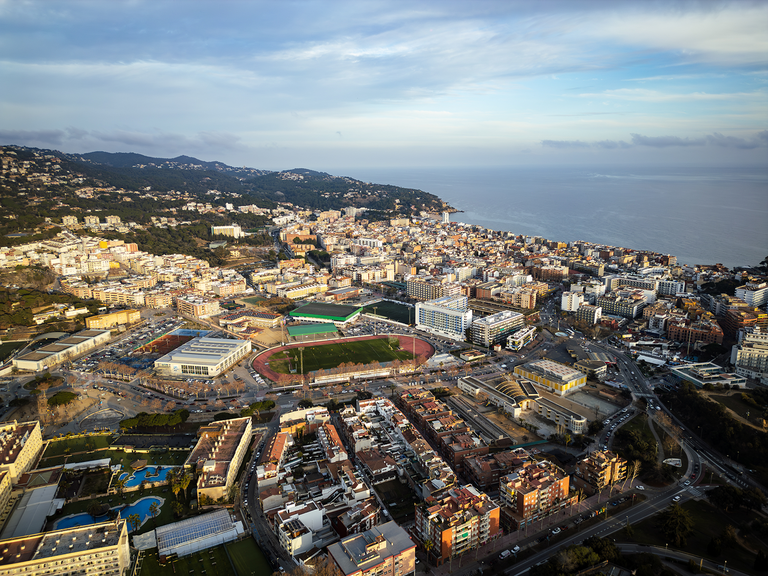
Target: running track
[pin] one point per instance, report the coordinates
(406, 343)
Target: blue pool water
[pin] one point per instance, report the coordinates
(140, 475)
(140, 507)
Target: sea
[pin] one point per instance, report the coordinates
(701, 215)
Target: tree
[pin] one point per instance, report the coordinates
(676, 523)
(154, 511)
(428, 545)
(306, 403)
(178, 508)
(134, 522)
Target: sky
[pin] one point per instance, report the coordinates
(323, 84)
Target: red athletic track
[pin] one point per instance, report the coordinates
(406, 343)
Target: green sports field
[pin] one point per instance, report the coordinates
(392, 310)
(326, 356)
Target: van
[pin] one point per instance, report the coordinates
(504, 554)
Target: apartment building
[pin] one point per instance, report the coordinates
(589, 314)
(705, 329)
(571, 301)
(753, 293)
(485, 471)
(231, 231)
(533, 491)
(431, 290)
(197, 306)
(217, 456)
(495, 328)
(461, 520)
(599, 470)
(330, 441)
(625, 303)
(385, 550)
(521, 338)
(448, 316)
(20, 445)
(101, 549)
(559, 378)
(750, 356)
(105, 321)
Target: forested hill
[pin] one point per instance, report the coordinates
(302, 187)
(26, 168)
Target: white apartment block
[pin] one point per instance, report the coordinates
(753, 293)
(750, 356)
(448, 316)
(570, 301)
(232, 231)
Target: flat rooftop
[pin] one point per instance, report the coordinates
(319, 309)
(203, 351)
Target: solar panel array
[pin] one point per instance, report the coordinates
(186, 531)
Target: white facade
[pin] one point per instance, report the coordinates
(753, 294)
(203, 357)
(233, 231)
(750, 356)
(570, 301)
(448, 316)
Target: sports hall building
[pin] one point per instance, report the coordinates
(203, 357)
(339, 314)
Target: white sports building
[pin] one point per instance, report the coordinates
(203, 357)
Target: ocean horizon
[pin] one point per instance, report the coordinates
(700, 215)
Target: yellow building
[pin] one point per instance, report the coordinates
(106, 321)
(559, 378)
(20, 445)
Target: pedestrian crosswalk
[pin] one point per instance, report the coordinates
(695, 492)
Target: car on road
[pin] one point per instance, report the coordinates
(687, 483)
(676, 498)
(640, 487)
(504, 554)
(556, 530)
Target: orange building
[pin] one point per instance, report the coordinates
(460, 520)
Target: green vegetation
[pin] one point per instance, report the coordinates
(145, 421)
(263, 406)
(733, 530)
(8, 348)
(71, 445)
(16, 305)
(61, 398)
(742, 404)
(392, 310)
(328, 356)
(211, 561)
(248, 558)
(718, 428)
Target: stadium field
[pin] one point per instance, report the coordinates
(391, 310)
(326, 356)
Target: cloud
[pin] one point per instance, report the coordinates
(32, 137)
(757, 140)
(644, 95)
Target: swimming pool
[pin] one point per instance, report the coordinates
(141, 475)
(140, 507)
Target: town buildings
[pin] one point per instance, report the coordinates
(599, 470)
(495, 328)
(750, 356)
(533, 491)
(20, 445)
(100, 548)
(217, 456)
(457, 522)
(384, 550)
(106, 321)
(67, 348)
(448, 316)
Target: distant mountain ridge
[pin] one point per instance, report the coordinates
(188, 175)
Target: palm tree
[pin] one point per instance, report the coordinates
(120, 485)
(134, 522)
(154, 511)
(178, 508)
(428, 545)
